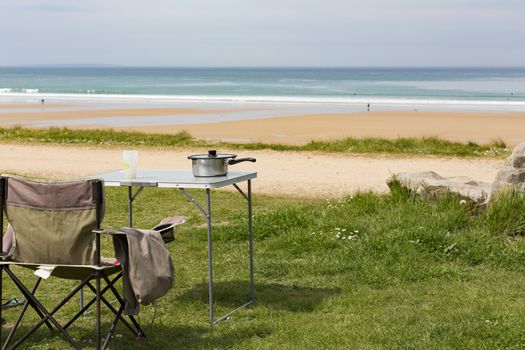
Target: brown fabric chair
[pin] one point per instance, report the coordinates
(56, 226)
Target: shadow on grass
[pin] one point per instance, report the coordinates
(202, 337)
(184, 334)
(276, 296)
(158, 336)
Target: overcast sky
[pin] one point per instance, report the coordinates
(263, 32)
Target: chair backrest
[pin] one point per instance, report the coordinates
(53, 222)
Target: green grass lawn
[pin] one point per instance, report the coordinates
(365, 272)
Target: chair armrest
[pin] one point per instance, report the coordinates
(107, 232)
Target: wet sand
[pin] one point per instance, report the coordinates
(79, 114)
(30, 105)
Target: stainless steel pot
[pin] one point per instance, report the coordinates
(213, 164)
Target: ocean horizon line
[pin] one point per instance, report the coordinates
(292, 67)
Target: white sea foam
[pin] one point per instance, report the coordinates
(375, 102)
(14, 91)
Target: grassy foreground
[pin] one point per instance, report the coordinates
(108, 137)
(363, 272)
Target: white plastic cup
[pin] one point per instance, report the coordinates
(130, 159)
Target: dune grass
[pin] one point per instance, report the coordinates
(365, 272)
(109, 137)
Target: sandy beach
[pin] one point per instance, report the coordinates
(481, 128)
(302, 174)
(478, 127)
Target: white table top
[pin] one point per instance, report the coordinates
(173, 178)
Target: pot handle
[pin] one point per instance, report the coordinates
(235, 161)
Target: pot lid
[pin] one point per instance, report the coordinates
(212, 154)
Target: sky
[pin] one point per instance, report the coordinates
(321, 33)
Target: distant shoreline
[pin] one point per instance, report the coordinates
(329, 104)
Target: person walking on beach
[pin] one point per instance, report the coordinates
(368, 108)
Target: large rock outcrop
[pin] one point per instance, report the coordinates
(512, 175)
(430, 183)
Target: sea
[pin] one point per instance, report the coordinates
(288, 91)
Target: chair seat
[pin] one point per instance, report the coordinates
(75, 272)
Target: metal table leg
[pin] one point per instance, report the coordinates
(207, 213)
(131, 198)
(130, 207)
(210, 256)
(250, 228)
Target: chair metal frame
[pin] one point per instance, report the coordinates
(98, 273)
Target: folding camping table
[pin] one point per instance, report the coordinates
(184, 180)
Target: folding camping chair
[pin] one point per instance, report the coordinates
(56, 227)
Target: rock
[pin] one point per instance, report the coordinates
(512, 175)
(430, 183)
(517, 158)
